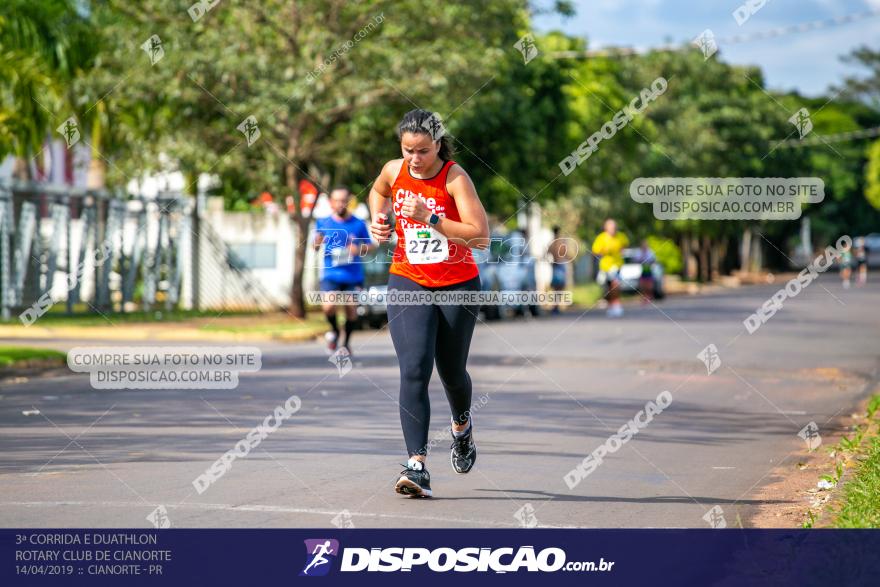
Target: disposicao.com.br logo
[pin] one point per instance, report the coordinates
(441, 560)
(320, 554)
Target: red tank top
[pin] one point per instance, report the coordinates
(459, 266)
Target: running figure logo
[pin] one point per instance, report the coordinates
(710, 358)
(250, 129)
(715, 517)
(526, 45)
(801, 120)
(810, 434)
(317, 552)
(70, 131)
(434, 126)
(526, 516)
(159, 517)
(342, 359)
(706, 43)
(153, 47)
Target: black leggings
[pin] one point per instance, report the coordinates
(421, 335)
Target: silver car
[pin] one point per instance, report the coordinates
(632, 269)
(872, 244)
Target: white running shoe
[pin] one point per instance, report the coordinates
(330, 337)
(615, 311)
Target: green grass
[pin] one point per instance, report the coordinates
(85, 316)
(861, 496)
(860, 502)
(11, 356)
(873, 406)
(586, 294)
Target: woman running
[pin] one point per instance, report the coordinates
(438, 218)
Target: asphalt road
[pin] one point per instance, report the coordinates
(547, 393)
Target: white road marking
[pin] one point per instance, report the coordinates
(260, 508)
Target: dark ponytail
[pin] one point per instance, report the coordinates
(424, 122)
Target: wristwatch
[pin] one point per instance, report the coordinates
(433, 220)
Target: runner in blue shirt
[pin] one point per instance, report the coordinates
(346, 239)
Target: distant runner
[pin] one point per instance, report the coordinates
(646, 258)
(608, 246)
(559, 260)
(861, 255)
(846, 263)
(345, 239)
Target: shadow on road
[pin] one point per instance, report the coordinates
(667, 499)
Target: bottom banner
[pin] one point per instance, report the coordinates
(427, 557)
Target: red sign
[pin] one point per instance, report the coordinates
(308, 194)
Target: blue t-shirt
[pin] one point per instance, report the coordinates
(342, 266)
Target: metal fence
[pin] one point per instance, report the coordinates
(102, 252)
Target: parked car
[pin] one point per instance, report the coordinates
(506, 266)
(516, 272)
(374, 313)
(631, 272)
(487, 263)
(872, 243)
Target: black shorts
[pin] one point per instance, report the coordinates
(330, 285)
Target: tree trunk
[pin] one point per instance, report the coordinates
(757, 261)
(96, 176)
(719, 258)
(705, 259)
(96, 180)
(300, 240)
(192, 182)
(298, 305)
(686, 257)
(21, 169)
(745, 250)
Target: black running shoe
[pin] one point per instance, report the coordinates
(464, 451)
(414, 481)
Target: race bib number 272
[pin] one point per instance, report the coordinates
(425, 245)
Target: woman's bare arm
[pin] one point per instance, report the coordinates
(380, 203)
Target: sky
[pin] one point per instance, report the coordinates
(807, 62)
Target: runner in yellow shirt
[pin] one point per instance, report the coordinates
(608, 246)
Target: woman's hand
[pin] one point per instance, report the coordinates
(380, 229)
(416, 209)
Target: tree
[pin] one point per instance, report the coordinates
(308, 75)
(715, 120)
(507, 136)
(867, 90)
(863, 88)
(872, 175)
(841, 165)
(43, 46)
(590, 94)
